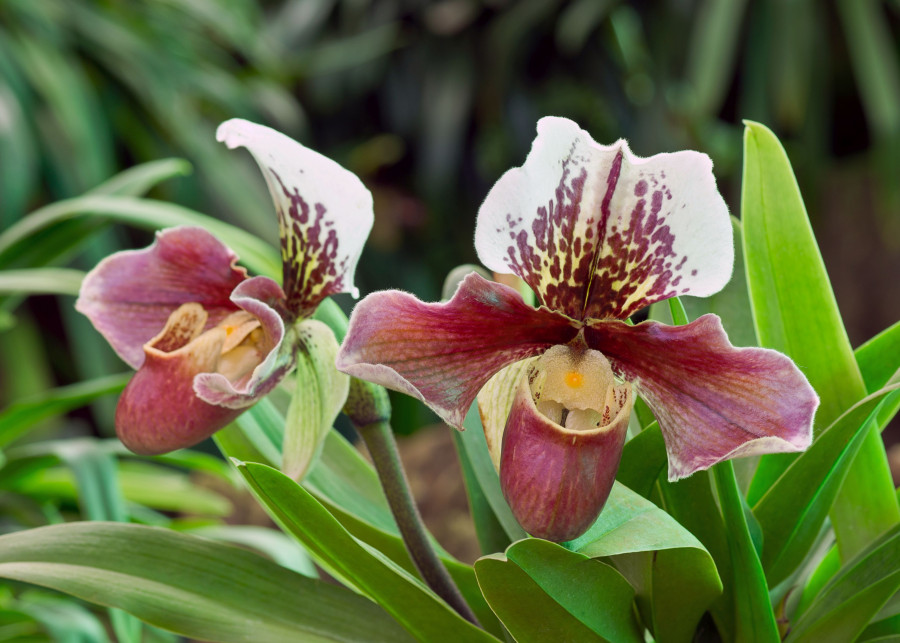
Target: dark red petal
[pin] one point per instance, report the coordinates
(443, 353)
(556, 480)
(713, 401)
(158, 411)
(130, 295)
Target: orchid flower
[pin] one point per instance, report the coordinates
(206, 340)
(597, 234)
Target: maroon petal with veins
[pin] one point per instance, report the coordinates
(600, 233)
(129, 295)
(557, 480)
(259, 296)
(158, 411)
(324, 213)
(713, 401)
(443, 354)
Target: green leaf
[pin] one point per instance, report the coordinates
(855, 595)
(138, 180)
(563, 579)
(754, 618)
(19, 417)
(194, 587)
(41, 281)
(404, 597)
(655, 554)
(795, 311)
(474, 445)
(879, 358)
(643, 461)
(795, 506)
(145, 213)
(320, 391)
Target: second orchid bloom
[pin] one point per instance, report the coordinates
(207, 341)
(597, 234)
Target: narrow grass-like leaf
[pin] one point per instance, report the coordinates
(879, 358)
(138, 180)
(855, 595)
(473, 442)
(754, 618)
(194, 587)
(145, 213)
(414, 606)
(19, 417)
(794, 508)
(656, 555)
(41, 281)
(794, 311)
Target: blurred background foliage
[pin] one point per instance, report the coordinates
(429, 102)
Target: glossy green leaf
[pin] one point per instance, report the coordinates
(273, 543)
(404, 597)
(643, 461)
(655, 554)
(558, 571)
(754, 618)
(41, 281)
(793, 509)
(491, 536)
(20, 416)
(195, 587)
(855, 595)
(524, 608)
(472, 441)
(879, 361)
(879, 358)
(794, 311)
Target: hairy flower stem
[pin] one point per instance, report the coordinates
(379, 440)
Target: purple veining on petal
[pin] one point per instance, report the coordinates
(443, 354)
(313, 268)
(556, 480)
(554, 245)
(640, 256)
(599, 233)
(713, 401)
(129, 295)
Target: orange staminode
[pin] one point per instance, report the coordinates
(574, 379)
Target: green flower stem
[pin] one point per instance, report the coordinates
(379, 439)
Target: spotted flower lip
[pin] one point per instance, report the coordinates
(207, 340)
(597, 234)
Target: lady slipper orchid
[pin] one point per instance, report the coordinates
(206, 340)
(597, 234)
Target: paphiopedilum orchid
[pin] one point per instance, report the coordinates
(597, 234)
(207, 340)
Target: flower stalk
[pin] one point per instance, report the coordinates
(379, 439)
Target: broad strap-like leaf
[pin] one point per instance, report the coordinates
(195, 587)
(795, 311)
(543, 592)
(404, 597)
(656, 555)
